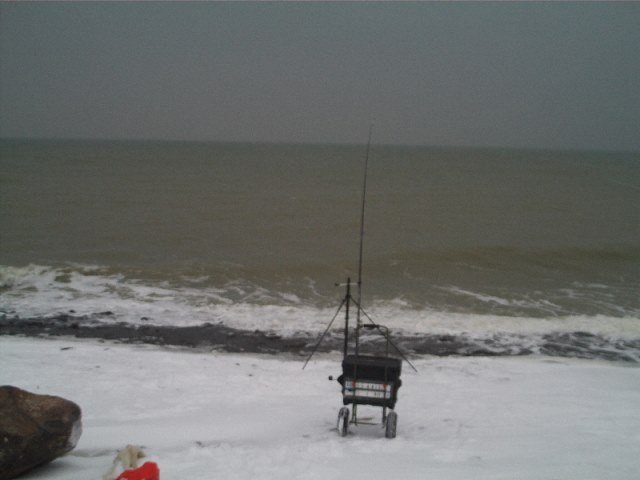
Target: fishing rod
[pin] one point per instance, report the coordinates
(365, 379)
(362, 210)
(348, 298)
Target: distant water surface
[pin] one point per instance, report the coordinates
(191, 232)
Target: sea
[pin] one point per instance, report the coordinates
(480, 242)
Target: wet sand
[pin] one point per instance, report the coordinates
(223, 338)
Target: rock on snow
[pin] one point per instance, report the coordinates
(34, 429)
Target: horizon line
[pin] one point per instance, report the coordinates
(316, 143)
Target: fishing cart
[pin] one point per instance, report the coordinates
(366, 379)
(370, 380)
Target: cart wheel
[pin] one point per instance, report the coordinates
(343, 421)
(390, 426)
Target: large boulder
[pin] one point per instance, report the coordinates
(34, 429)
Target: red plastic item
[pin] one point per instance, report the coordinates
(148, 471)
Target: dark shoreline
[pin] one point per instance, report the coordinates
(223, 338)
(227, 339)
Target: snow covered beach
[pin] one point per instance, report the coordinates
(236, 416)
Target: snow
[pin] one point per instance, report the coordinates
(216, 415)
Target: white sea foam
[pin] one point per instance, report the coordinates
(499, 300)
(481, 326)
(41, 291)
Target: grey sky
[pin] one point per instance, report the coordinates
(502, 74)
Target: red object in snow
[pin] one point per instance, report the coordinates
(148, 471)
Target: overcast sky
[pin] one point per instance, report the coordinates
(482, 74)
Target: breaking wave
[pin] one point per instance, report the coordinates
(102, 295)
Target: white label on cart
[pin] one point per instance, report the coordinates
(364, 389)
